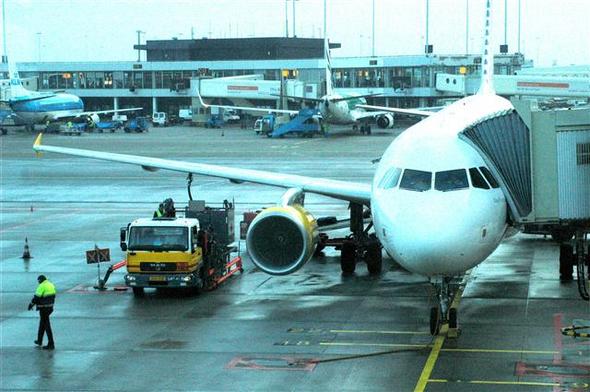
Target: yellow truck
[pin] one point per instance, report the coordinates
(180, 252)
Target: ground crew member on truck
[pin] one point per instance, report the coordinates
(44, 298)
(160, 211)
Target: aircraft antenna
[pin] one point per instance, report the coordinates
(487, 57)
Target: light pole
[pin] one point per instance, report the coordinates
(373, 32)
(294, 35)
(426, 48)
(286, 19)
(139, 33)
(466, 26)
(4, 56)
(38, 47)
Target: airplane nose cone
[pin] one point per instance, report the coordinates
(442, 238)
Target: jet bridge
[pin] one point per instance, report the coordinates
(542, 161)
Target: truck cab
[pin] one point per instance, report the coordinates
(162, 252)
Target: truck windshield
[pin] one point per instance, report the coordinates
(158, 238)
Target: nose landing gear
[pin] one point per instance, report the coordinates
(446, 289)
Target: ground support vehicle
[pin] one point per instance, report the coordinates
(111, 126)
(215, 121)
(159, 119)
(305, 124)
(197, 251)
(136, 124)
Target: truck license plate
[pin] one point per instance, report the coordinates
(157, 278)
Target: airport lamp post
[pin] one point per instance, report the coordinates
(38, 47)
(373, 32)
(4, 56)
(139, 33)
(286, 19)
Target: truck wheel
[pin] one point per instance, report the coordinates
(138, 292)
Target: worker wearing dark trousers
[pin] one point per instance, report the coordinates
(44, 299)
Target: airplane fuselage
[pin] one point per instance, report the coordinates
(340, 112)
(432, 212)
(50, 108)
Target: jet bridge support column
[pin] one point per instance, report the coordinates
(116, 103)
(154, 104)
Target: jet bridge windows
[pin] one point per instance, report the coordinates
(391, 178)
(416, 180)
(451, 180)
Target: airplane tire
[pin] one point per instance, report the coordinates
(348, 257)
(453, 318)
(566, 262)
(138, 292)
(434, 321)
(374, 258)
(4, 131)
(368, 130)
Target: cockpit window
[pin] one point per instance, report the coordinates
(416, 180)
(451, 180)
(477, 179)
(488, 175)
(391, 178)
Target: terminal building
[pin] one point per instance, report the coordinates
(162, 82)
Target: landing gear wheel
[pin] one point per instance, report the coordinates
(374, 258)
(453, 318)
(368, 129)
(434, 321)
(138, 291)
(348, 257)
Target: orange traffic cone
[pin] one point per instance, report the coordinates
(26, 253)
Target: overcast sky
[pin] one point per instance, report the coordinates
(552, 31)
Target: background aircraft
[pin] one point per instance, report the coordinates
(340, 109)
(34, 107)
(435, 205)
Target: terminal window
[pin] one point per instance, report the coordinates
(583, 153)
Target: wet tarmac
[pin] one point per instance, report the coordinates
(314, 330)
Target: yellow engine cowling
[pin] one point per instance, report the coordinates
(282, 239)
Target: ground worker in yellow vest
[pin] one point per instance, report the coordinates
(44, 298)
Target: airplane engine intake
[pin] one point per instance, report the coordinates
(385, 121)
(282, 239)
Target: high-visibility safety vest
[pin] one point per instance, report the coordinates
(44, 295)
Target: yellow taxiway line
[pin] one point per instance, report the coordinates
(489, 382)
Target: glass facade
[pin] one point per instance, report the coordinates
(398, 78)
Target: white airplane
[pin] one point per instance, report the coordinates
(339, 109)
(34, 107)
(435, 205)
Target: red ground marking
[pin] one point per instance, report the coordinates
(273, 363)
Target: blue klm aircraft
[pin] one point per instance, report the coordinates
(34, 107)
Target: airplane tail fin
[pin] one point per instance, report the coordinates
(17, 91)
(329, 88)
(487, 57)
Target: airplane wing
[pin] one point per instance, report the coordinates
(415, 112)
(343, 190)
(247, 108)
(359, 115)
(101, 112)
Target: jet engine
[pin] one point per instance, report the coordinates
(385, 121)
(282, 239)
